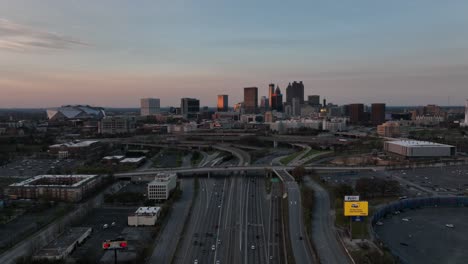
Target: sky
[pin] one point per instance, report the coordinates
(111, 53)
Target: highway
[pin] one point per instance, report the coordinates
(230, 223)
(324, 237)
(299, 242)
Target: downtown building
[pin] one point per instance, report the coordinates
(250, 100)
(377, 114)
(276, 99)
(189, 107)
(465, 124)
(149, 106)
(113, 125)
(295, 90)
(222, 104)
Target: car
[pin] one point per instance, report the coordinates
(195, 261)
(217, 261)
(113, 224)
(450, 225)
(252, 247)
(406, 219)
(105, 226)
(213, 247)
(379, 223)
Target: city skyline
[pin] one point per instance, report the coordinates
(56, 52)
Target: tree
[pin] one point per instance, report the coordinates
(342, 190)
(298, 173)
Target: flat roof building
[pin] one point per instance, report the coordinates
(69, 188)
(76, 149)
(144, 216)
(64, 245)
(189, 107)
(149, 106)
(223, 105)
(162, 186)
(251, 100)
(414, 148)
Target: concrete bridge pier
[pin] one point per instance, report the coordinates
(275, 144)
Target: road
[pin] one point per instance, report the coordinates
(166, 242)
(230, 223)
(324, 237)
(241, 155)
(301, 248)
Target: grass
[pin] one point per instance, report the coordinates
(287, 159)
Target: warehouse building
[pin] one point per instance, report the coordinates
(144, 216)
(76, 149)
(416, 149)
(64, 245)
(69, 188)
(161, 187)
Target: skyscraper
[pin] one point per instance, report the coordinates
(271, 92)
(377, 114)
(251, 100)
(277, 100)
(223, 103)
(356, 113)
(264, 103)
(149, 106)
(296, 107)
(295, 90)
(466, 113)
(313, 100)
(189, 107)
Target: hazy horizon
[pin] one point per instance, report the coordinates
(112, 53)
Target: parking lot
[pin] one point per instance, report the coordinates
(421, 236)
(26, 168)
(92, 250)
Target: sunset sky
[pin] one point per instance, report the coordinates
(114, 52)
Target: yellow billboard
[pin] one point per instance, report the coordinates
(360, 208)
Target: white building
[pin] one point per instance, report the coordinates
(413, 148)
(161, 187)
(465, 124)
(150, 106)
(334, 124)
(117, 125)
(144, 216)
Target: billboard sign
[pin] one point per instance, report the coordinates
(351, 198)
(359, 208)
(117, 244)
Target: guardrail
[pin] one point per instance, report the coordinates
(414, 203)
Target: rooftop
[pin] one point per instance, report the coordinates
(132, 160)
(416, 143)
(59, 245)
(147, 210)
(75, 144)
(54, 180)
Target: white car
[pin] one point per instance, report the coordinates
(105, 226)
(405, 219)
(450, 225)
(379, 223)
(213, 247)
(252, 247)
(195, 261)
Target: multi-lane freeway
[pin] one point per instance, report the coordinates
(233, 221)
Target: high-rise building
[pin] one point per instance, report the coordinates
(377, 114)
(313, 100)
(356, 113)
(250, 100)
(271, 92)
(264, 103)
(149, 106)
(296, 106)
(466, 113)
(295, 90)
(277, 100)
(223, 103)
(189, 107)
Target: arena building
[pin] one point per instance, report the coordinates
(416, 149)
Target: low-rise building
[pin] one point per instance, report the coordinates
(133, 162)
(64, 245)
(415, 149)
(76, 149)
(161, 187)
(144, 216)
(112, 125)
(389, 129)
(69, 188)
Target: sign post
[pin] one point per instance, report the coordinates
(355, 210)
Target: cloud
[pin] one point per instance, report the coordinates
(16, 37)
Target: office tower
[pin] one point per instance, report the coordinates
(250, 100)
(377, 114)
(271, 92)
(277, 100)
(223, 103)
(149, 106)
(296, 107)
(313, 100)
(356, 113)
(295, 90)
(189, 107)
(466, 114)
(264, 104)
